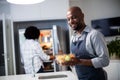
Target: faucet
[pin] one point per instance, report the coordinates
(33, 64)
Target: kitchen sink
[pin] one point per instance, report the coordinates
(52, 76)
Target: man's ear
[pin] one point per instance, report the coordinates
(82, 15)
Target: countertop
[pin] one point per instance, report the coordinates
(61, 75)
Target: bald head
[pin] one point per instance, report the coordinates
(75, 9)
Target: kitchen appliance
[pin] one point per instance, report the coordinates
(52, 41)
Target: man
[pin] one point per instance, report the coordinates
(89, 47)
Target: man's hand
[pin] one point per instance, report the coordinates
(73, 61)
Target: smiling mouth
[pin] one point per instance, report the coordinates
(73, 26)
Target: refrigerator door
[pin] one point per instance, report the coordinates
(59, 44)
(60, 40)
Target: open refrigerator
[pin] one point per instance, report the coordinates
(52, 41)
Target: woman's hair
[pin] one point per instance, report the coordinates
(32, 32)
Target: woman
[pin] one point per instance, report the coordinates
(31, 49)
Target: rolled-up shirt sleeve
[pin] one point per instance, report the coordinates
(41, 53)
(100, 50)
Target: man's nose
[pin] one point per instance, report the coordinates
(71, 21)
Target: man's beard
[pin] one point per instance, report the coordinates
(78, 28)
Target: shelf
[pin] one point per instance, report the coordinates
(110, 38)
(50, 61)
(51, 70)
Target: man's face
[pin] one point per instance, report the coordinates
(74, 20)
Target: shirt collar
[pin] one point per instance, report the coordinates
(86, 29)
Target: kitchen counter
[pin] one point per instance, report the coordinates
(61, 75)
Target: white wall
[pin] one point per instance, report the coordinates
(97, 9)
(113, 70)
(49, 9)
(4, 8)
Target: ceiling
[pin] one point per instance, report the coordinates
(2, 0)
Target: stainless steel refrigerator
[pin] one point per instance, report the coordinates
(53, 39)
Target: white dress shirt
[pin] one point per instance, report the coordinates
(95, 45)
(29, 49)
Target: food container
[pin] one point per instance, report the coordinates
(64, 57)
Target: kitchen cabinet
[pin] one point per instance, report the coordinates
(2, 64)
(3, 47)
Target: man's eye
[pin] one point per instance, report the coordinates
(68, 19)
(74, 17)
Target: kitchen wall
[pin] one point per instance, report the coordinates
(98, 9)
(49, 9)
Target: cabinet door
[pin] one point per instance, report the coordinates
(2, 64)
(3, 50)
